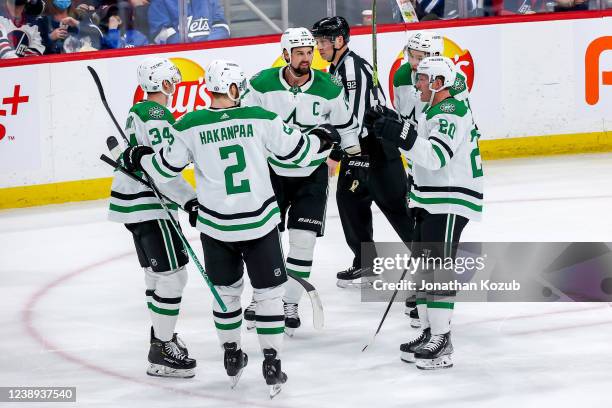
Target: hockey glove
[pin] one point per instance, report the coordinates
(327, 134)
(375, 113)
(191, 207)
(132, 156)
(402, 134)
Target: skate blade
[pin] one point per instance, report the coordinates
(275, 390)
(435, 364)
(347, 284)
(407, 357)
(289, 331)
(235, 378)
(157, 370)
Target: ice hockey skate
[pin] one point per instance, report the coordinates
(272, 372)
(166, 359)
(234, 361)
(408, 349)
(292, 318)
(355, 277)
(436, 353)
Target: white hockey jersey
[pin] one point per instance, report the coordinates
(148, 124)
(229, 148)
(320, 100)
(447, 167)
(26, 39)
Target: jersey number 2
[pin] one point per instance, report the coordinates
(243, 186)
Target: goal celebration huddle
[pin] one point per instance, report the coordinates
(263, 154)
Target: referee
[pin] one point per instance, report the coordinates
(377, 174)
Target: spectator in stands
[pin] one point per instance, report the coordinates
(522, 7)
(6, 49)
(571, 5)
(444, 9)
(63, 33)
(20, 19)
(204, 20)
(119, 33)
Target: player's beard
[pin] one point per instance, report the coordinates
(301, 70)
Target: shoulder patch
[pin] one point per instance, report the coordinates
(447, 107)
(336, 80)
(156, 112)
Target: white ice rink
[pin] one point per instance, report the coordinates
(73, 314)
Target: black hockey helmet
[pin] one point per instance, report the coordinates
(332, 27)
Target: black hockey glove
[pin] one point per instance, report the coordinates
(375, 113)
(191, 207)
(401, 134)
(327, 134)
(132, 156)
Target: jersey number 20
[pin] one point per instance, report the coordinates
(230, 187)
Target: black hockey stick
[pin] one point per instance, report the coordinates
(374, 54)
(388, 306)
(113, 147)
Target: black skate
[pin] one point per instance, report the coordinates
(292, 318)
(249, 315)
(272, 372)
(355, 277)
(408, 349)
(234, 362)
(167, 360)
(412, 312)
(436, 353)
(176, 339)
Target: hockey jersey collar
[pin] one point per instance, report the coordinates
(295, 89)
(334, 68)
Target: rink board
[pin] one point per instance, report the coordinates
(537, 88)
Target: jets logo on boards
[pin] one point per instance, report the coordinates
(447, 107)
(156, 112)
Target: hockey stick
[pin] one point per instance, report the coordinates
(317, 306)
(113, 147)
(374, 54)
(388, 306)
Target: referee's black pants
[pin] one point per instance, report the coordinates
(359, 185)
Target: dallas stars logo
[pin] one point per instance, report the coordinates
(336, 80)
(447, 107)
(156, 112)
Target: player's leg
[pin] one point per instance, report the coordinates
(163, 258)
(442, 232)
(284, 191)
(305, 221)
(266, 268)
(224, 264)
(354, 207)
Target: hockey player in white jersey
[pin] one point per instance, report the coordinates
(407, 101)
(160, 251)
(238, 213)
(447, 193)
(302, 97)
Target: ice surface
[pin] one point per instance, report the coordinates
(73, 314)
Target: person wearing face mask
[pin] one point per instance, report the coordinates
(21, 20)
(63, 33)
(160, 251)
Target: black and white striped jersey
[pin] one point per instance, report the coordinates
(356, 76)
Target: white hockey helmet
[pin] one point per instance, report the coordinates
(432, 44)
(220, 75)
(438, 66)
(153, 71)
(296, 37)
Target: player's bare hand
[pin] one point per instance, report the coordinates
(332, 166)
